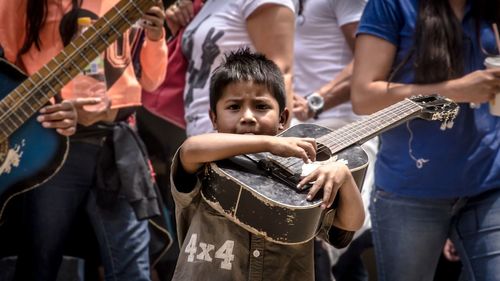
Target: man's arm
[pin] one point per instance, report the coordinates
(336, 91)
(271, 28)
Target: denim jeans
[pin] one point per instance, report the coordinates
(477, 227)
(409, 235)
(50, 212)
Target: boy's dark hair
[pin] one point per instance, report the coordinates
(245, 65)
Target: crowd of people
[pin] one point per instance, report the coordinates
(253, 68)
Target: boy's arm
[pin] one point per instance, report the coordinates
(350, 213)
(198, 150)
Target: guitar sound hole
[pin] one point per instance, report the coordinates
(323, 153)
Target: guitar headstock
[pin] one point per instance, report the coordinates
(435, 107)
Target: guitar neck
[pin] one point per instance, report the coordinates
(371, 125)
(31, 95)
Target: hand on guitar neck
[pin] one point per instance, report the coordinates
(63, 116)
(153, 21)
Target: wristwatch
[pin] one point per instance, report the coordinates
(316, 102)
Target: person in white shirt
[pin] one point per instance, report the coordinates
(266, 26)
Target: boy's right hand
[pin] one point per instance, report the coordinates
(303, 148)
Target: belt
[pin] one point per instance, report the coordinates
(94, 140)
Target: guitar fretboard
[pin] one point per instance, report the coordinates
(362, 130)
(31, 95)
(371, 125)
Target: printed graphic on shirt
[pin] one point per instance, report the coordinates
(210, 51)
(201, 251)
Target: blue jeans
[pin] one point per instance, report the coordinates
(51, 210)
(409, 235)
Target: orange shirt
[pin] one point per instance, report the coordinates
(124, 87)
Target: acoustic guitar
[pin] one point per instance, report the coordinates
(29, 153)
(258, 191)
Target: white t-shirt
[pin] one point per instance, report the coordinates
(321, 50)
(219, 27)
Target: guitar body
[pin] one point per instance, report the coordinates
(32, 154)
(270, 208)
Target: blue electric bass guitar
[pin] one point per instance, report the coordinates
(30, 154)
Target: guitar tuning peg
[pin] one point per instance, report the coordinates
(450, 124)
(443, 126)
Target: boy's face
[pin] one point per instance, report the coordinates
(248, 108)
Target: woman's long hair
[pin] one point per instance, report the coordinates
(438, 52)
(36, 14)
(438, 43)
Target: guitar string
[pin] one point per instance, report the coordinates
(67, 60)
(36, 84)
(368, 125)
(344, 134)
(364, 128)
(284, 179)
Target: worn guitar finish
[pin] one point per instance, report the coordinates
(258, 191)
(30, 154)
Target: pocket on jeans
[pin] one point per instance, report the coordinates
(386, 195)
(480, 218)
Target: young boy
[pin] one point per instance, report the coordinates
(247, 100)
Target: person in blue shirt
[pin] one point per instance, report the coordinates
(432, 184)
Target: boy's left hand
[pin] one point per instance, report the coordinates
(330, 178)
(153, 21)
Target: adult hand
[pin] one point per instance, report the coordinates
(449, 251)
(301, 108)
(476, 87)
(179, 15)
(63, 116)
(90, 115)
(153, 21)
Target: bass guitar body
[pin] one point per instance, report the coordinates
(32, 154)
(270, 208)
